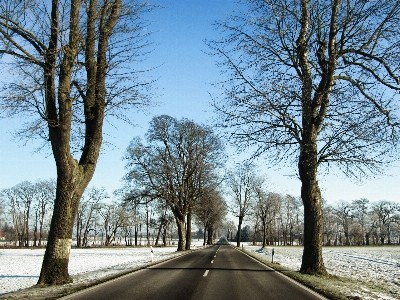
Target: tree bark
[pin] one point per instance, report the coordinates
(264, 232)
(189, 230)
(181, 234)
(210, 232)
(312, 262)
(239, 233)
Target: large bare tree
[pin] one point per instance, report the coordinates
(72, 61)
(312, 83)
(177, 165)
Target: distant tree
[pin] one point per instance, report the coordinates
(385, 213)
(20, 199)
(73, 62)
(344, 216)
(329, 225)
(242, 183)
(360, 211)
(178, 165)
(312, 83)
(88, 213)
(209, 210)
(113, 218)
(45, 191)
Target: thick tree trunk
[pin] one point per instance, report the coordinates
(181, 234)
(70, 187)
(312, 262)
(239, 233)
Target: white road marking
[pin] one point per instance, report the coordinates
(212, 261)
(205, 273)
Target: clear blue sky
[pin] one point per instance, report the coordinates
(185, 76)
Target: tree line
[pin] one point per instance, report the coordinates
(26, 211)
(275, 219)
(270, 218)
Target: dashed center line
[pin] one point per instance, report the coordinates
(206, 273)
(212, 261)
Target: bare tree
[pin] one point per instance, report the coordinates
(344, 216)
(74, 58)
(242, 183)
(210, 209)
(178, 166)
(87, 213)
(45, 191)
(10, 197)
(385, 213)
(360, 210)
(312, 83)
(113, 217)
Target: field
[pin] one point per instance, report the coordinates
(377, 266)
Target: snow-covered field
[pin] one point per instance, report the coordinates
(379, 266)
(20, 268)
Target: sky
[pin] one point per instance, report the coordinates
(185, 74)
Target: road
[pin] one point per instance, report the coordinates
(216, 272)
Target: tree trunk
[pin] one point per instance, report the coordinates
(70, 187)
(312, 262)
(239, 233)
(189, 230)
(35, 231)
(181, 233)
(164, 237)
(159, 232)
(136, 235)
(210, 231)
(264, 232)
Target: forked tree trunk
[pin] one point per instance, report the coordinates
(73, 177)
(70, 187)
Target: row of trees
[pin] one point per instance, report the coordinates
(277, 219)
(360, 222)
(27, 207)
(26, 211)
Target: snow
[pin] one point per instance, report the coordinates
(379, 266)
(20, 268)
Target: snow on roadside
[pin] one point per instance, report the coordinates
(20, 268)
(379, 266)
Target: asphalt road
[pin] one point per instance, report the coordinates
(216, 272)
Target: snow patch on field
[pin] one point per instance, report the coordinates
(379, 266)
(20, 268)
